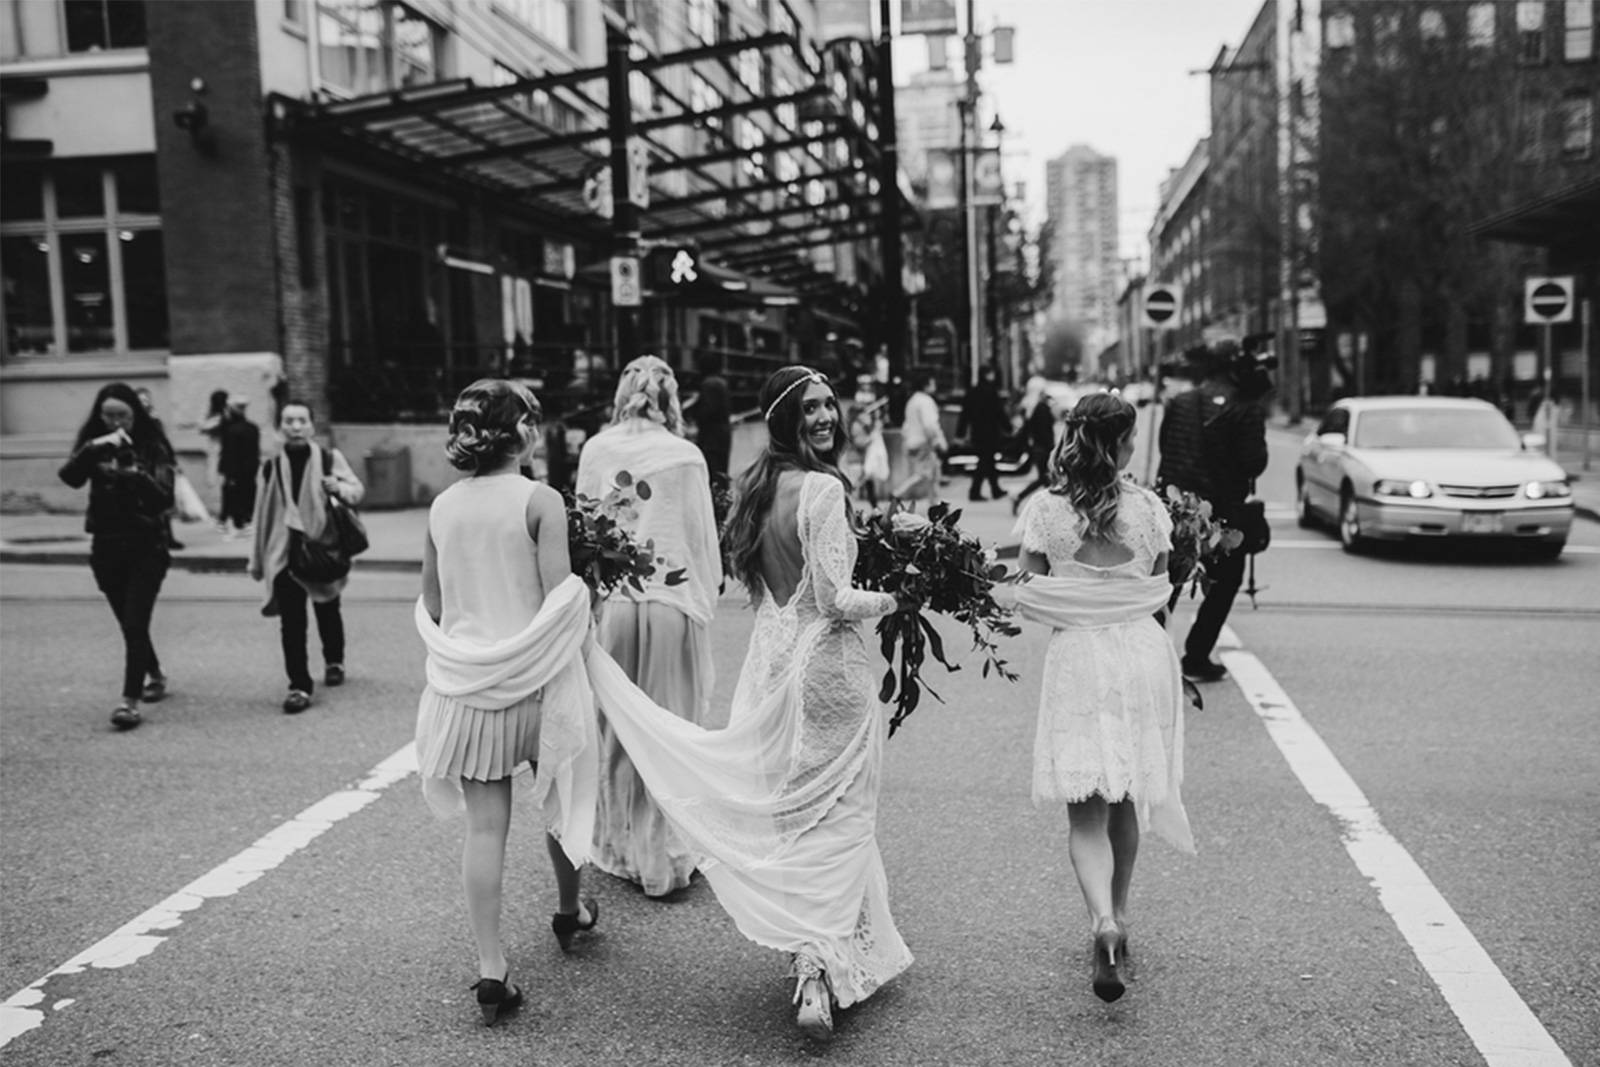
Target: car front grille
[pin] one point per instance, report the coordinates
(1479, 492)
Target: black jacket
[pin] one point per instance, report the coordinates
(130, 489)
(983, 416)
(1213, 445)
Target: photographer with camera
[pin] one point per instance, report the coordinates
(1214, 444)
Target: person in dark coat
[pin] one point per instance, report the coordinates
(713, 426)
(983, 421)
(125, 458)
(1039, 430)
(1214, 444)
(240, 456)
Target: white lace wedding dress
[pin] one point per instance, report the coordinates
(1111, 701)
(783, 801)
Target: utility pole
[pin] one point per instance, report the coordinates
(894, 293)
(625, 230)
(969, 150)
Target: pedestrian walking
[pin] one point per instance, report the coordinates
(866, 438)
(292, 501)
(713, 421)
(784, 800)
(659, 636)
(1039, 430)
(983, 422)
(504, 620)
(211, 435)
(127, 462)
(1214, 444)
(924, 442)
(1109, 742)
(179, 482)
(238, 456)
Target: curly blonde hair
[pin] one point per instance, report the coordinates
(1084, 466)
(648, 390)
(493, 419)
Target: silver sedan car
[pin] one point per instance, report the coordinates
(1416, 467)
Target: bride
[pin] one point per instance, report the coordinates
(783, 802)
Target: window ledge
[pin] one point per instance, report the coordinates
(107, 365)
(115, 61)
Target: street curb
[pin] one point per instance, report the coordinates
(196, 563)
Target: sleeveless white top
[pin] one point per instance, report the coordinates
(489, 581)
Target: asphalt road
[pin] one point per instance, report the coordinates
(1457, 692)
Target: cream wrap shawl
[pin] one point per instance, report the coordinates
(547, 655)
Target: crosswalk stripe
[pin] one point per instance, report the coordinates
(1499, 1023)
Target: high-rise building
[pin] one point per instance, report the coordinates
(1081, 199)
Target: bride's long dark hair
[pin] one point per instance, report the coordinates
(1084, 465)
(788, 448)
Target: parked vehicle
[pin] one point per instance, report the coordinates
(1413, 467)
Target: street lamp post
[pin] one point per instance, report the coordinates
(990, 304)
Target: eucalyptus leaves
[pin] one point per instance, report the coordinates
(604, 553)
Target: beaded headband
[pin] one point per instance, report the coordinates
(810, 377)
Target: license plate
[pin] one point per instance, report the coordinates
(1487, 522)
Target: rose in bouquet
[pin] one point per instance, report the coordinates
(1197, 535)
(604, 553)
(930, 564)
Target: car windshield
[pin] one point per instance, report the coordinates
(1434, 428)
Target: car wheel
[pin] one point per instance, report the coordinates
(1305, 515)
(1547, 550)
(1350, 524)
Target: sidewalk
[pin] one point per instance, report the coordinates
(396, 537)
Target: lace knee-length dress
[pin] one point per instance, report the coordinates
(1111, 696)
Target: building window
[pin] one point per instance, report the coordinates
(294, 12)
(1480, 25)
(96, 25)
(1577, 126)
(1530, 129)
(1386, 37)
(554, 20)
(82, 258)
(1530, 31)
(702, 19)
(1341, 31)
(1578, 41)
(367, 46)
(1431, 25)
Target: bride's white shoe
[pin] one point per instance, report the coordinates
(811, 993)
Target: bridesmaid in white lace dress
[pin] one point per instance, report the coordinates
(783, 802)
(659, 636)
(1110, 735)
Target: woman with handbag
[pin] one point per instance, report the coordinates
(297, 490)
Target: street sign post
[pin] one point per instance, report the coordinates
(1545, 302)
(1161, 303)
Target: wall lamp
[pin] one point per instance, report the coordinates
(194, 118)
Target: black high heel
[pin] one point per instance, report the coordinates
(1108, 945)
(566, 926)
(497, 998)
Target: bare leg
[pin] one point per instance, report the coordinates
(1089, 845)
(568, 878)
(483, 862)
(1123, 827)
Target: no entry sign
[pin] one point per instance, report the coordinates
(1547, 300)
(1161, 306)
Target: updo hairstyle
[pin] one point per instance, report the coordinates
(493, 420)
(648, 390)
(1084, 466)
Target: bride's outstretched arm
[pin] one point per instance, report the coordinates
(828, 551)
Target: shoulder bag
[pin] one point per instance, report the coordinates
(327, 557)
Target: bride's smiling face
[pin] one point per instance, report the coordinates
(819, 417)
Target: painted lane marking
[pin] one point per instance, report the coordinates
(1504, 1029)
(27, 1010)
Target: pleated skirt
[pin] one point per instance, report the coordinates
(456, 740)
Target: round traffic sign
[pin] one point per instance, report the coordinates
(1549, 299)
(1160, 304)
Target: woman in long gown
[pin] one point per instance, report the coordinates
(782, 803)
(658, 636)
(1110, 735)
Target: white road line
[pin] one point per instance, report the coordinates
(26, 1009)
(1504, 1029)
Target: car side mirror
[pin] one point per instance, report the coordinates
(1332, 439)
(1534, 442)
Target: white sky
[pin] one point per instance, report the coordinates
(1111, 74)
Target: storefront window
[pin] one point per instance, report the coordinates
(370, 46)
(82, 258)
(95, 25)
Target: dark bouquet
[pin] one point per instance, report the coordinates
(604, 554)
(1197, 536)
(930, 563)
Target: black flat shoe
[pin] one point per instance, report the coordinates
(497, 998)
(1108, 944)
(125, 718)
(154, 690)
(1204, 671)
(567, 926)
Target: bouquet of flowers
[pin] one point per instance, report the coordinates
(1196, 536)
(604, 554)
(929, 563)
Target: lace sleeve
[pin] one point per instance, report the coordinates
(830, 553)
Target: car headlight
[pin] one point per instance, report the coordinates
(1546, 490)
(1416, 490)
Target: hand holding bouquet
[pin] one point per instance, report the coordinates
(929, 565)
(1196, 536)
(604, 553)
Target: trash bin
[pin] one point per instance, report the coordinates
(388, 478)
